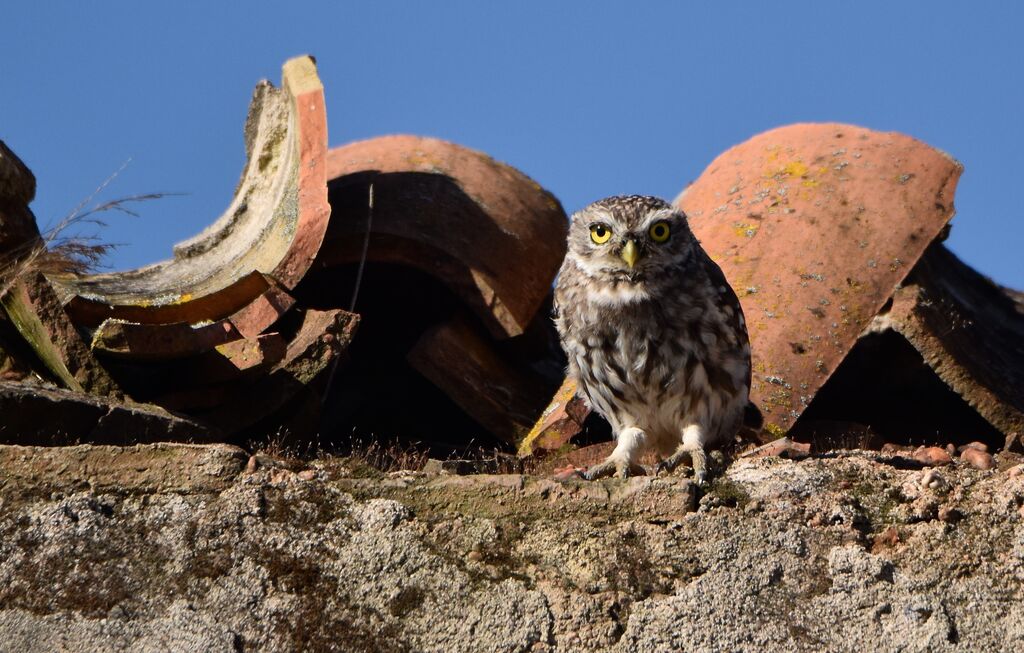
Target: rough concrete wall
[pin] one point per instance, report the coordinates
(848, 553)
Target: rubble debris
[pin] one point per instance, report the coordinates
(220, 315)
(319, 338)
(236, 332)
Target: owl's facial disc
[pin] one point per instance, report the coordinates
(629, 242)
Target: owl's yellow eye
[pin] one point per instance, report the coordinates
(659, 232)
(600, 233)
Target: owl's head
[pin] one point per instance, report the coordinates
(631, 239)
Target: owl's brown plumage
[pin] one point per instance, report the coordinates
(654, 335)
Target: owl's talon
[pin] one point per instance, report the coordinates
(600, 470)
(629, 470)
(669, 464)
(700, 466)
(616, 468)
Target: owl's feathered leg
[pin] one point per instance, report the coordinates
(692, 447)
(622, 461)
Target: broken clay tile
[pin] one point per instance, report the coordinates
(460, 361)
(199, 382)
(245, 355)
(321, 337)
(309, 112)
(813, 226)
(968, 330)
(176, 340)
(561, 420)
(259, 314)
(175, 306)
(160, 341)
(491, 234)
(274, 225)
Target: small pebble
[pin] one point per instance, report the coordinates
(950, 449)
(887, 539)
(474, 556)
(933, 456)
(250, 467)
(568, 472)
(949, 514)
(980, 446)
(1016, 471)
(307, 474)
(280, 475)
(977, 459)
(933, 480)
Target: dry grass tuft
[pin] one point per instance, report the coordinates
(61, 252)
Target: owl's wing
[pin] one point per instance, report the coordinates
(737, 323)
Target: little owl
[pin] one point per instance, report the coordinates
(654, 334)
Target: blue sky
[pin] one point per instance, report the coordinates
(588, 98)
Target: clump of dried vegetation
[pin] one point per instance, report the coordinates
(65, 249)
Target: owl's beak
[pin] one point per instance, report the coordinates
(630, 254)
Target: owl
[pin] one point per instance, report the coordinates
(654, 335)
